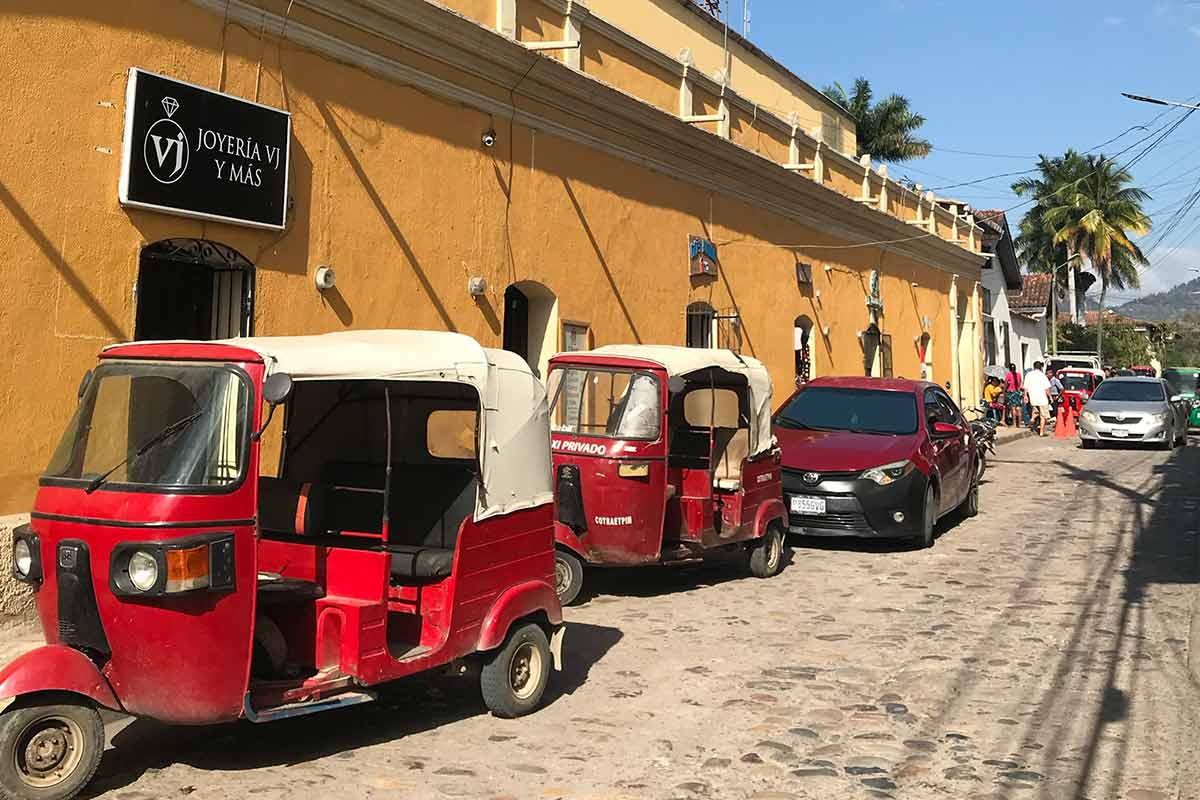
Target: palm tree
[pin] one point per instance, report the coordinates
(886, 129)
(1095, 217)
(1035, 241)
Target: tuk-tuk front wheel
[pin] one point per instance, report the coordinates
(766, 554)
(568, 576)
(514, 677)
(49, 748)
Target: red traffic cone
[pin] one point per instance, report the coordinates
(1060, 424)
(1072, 431)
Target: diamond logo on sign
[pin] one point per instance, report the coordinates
(166, 146)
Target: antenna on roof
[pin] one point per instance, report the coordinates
(746, 18)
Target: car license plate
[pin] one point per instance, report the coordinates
(1120, 434)
(808, 505)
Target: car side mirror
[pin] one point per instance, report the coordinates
(946, 429)
(1175, 398)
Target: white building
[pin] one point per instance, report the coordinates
(1011, 333)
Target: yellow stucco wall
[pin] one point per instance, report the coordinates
(392, 189)
(670, 26)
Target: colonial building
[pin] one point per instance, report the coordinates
(539, 174)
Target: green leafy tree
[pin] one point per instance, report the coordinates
(1096, 215)
(1035, 242)
(887, 129)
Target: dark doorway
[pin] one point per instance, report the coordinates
(193, 289)
(516, 322)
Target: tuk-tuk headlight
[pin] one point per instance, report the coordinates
(27, 555)
(143, 571)
(22, 558)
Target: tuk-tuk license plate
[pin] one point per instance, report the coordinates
(808, 505)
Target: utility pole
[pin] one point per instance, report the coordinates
(1054, 312)
(1071, 288)
(1054, 300)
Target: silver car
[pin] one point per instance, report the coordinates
(1134, 410)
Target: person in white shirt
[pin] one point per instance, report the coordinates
(1037, 392)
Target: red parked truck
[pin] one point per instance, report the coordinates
(407, 525)
(662, 455)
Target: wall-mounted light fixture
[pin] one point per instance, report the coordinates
(915, 284)
(477, 286)
(825, 330)
(828, 268)
(324, 278)
(817, 294)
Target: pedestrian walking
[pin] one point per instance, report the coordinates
(1056, 393)
(1016, 397)
(1037, 391)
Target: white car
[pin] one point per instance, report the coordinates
(1134, 410)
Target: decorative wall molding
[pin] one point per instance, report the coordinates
(570, 102)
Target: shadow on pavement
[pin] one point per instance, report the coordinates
(1157, 530)
(605, 584)
(405, 707)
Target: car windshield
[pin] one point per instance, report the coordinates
(1182, 381)
(1130, 391)
(1075, 383)
(829, 408)
(614, 403)
(173, 425)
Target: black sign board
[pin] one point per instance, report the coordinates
(199, 153)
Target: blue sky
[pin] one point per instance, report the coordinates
(1015, 78)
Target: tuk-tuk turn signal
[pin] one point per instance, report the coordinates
(187, 569)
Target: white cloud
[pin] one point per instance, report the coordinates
(1113, 21)
(1165, 271)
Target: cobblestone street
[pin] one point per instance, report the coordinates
(1038, 651)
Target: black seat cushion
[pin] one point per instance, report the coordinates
(414, 561)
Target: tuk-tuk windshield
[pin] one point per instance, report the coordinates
(1075, 382)
(615, 403)
(176, 425)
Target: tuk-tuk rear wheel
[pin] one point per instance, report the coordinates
(514, 677)
(568, 576)
(49, 750)
(766, 554)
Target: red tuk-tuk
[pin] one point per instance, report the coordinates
(661, 455)
(1079, 383)
(406, 525)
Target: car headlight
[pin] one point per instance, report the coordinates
(1091, 416)
(22, 558)
(1161, 417)
(143, 570)
(888, 473)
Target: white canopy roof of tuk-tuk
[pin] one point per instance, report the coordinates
(684, 360)
(514, 429)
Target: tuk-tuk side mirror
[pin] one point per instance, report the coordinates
(84, 383)
(277, 387)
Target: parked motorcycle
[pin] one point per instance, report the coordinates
(984, 431)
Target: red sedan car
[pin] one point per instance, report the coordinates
(874, 457)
